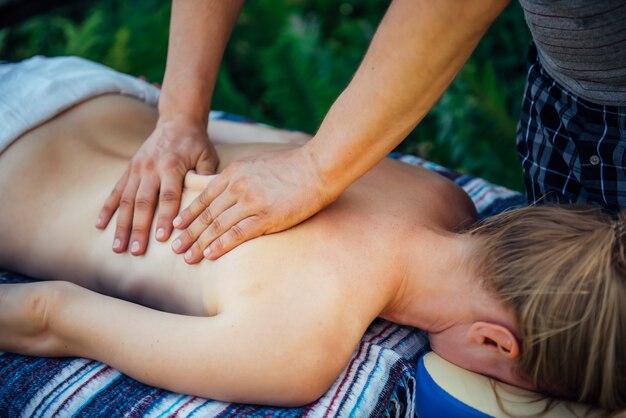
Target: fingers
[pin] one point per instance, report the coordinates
(169, 203)
(211, 223)
(136, 198)
(200, 203)
(233, 231)
(125, 216)
(237, 234)
(207, 164)
(112, 202)
(145, 203)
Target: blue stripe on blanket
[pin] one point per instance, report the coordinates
(378, 381)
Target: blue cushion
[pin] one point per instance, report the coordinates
(432, 401)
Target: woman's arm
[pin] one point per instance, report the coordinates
(251, 357)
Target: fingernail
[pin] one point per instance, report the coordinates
(117, 244)
(135, 247)
(177, 244)
(99, 221)
(160, 233)
(207, 252)
(177, 221)
(188, 255)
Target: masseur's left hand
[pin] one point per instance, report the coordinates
(251, 197)
(155, 174)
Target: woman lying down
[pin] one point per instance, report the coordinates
(533, 297)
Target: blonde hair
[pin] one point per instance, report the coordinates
(563, 271)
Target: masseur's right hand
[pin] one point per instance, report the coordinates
(178, 144)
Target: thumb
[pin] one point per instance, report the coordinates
(207, 164)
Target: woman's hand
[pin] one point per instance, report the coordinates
(251, 197)
(156, 172)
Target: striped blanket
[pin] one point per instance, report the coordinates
(377, 382)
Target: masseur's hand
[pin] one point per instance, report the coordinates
(156, 172)
(251, 197)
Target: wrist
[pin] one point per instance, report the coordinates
(189, 121)
(327, 185)
(191, 106)
(37, 318)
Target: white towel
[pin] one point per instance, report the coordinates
(39, 88)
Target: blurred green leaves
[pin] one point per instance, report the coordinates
(289, 59)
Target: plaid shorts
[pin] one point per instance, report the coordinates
(572, 150)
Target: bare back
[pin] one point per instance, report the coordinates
(326, 278)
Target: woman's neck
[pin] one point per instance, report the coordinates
(438, 288)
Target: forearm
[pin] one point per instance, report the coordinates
(226, 357)
(416, 52)
(157, 348)
(199, 31)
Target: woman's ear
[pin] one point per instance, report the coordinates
(494, 337)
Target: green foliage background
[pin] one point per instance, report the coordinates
(289, 59)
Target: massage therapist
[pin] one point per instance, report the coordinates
(571, 136)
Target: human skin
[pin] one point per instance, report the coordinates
(417, 50)
(273, 322)
(198, 36)
(415, 54)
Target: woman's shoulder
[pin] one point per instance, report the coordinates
(420, 194)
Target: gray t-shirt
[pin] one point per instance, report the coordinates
(582, 45)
